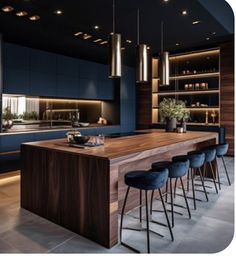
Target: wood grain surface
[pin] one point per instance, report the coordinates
(83, 189)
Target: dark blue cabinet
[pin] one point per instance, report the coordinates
(67, 66)
(16, 57)
(67, 86)
(105, 89)
(43, 62)
(16, 81)
(43, 84)
(88, 89)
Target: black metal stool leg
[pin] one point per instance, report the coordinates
(218, 174)
(122, 213)
(172, 203)
(167, 218)
(185, 198)
(204, 171)
(140, 206)
(188, 180)
(176, 180)
(151, 202)
(227, 175)
(203, 185)
(213, 176)
(147, 220)
(193, 189)
(167, 191)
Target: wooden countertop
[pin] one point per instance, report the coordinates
(115, 148)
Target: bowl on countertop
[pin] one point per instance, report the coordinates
(84, 124)
(80, 139)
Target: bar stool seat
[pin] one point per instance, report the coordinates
(196, 158)
(145, 180)
(221, 149)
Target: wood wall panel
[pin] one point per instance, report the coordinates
(227, 92)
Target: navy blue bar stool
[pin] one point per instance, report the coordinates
(177, 169)
(197, 160)
(145, 180)
(210, 156)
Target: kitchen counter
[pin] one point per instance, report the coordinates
(83, 189)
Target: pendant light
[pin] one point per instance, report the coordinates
(141, 57)
(115, 50)
(165, 63)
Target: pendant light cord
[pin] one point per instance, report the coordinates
(114, 16)
(138, 27)
(162, 36)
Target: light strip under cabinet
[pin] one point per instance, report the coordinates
(192, 92)
(196, 76)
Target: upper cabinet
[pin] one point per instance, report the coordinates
(34, 72)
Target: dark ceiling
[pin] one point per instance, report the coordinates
(56, 32)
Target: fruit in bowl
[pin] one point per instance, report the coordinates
(80, 139)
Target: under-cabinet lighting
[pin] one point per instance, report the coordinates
(196, 54)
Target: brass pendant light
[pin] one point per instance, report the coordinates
(115, 50)
(165, 62)
(141, 57)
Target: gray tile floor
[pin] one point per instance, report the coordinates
(210, 230)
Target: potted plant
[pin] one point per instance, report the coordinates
(7, 118)
(171, 111)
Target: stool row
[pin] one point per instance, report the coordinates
(162, 175)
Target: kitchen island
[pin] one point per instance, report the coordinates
(83, 189)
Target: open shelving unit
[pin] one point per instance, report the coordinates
(195, 79)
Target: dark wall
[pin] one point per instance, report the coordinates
(1, 82)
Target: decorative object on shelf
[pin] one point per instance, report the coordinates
(172, 110)
(102, 121)
(165, 62)
(186, 86)
(197, 86)
(115, 50)
(142, 57)
(204, 86)
(206, 120)
(213, 115)
(191, 87)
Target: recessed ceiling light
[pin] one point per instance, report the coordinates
(34, 18)
(78, 34)
(177, 44)
(96, 27)
(86, 36)
(123, 48)
(207, 38)
(97, 40)
(103, 42)
(166, 0)
(21, 13)
(58, 12)
(184, 12)
(196, 22)
(7, 8)
(148, 48)
(213, 33)
(128, 41)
